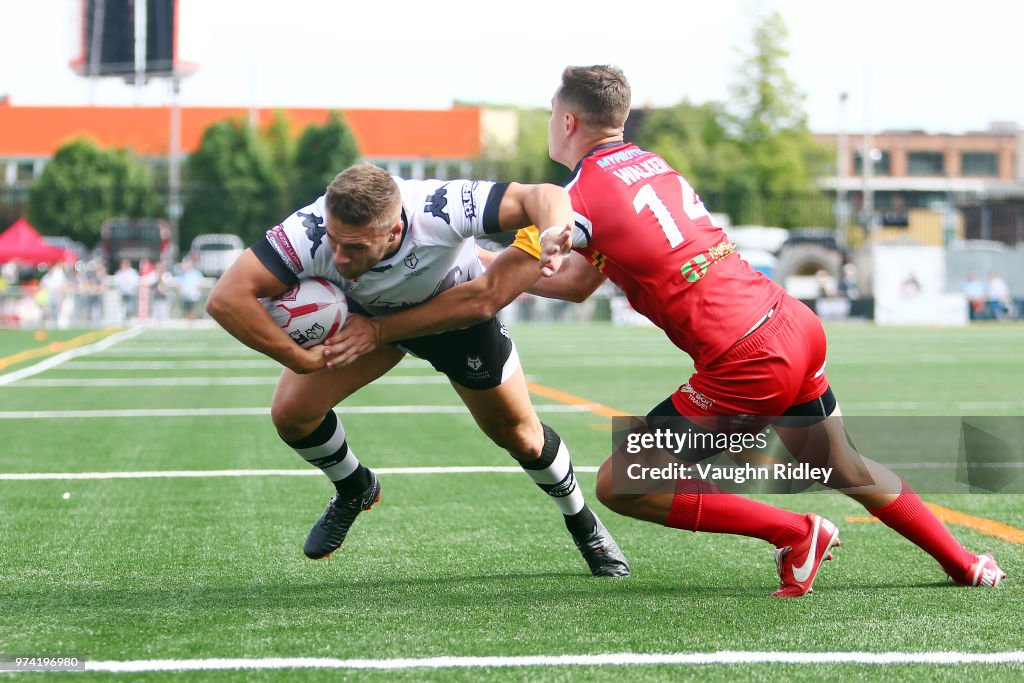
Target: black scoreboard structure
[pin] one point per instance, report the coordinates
(129, 38)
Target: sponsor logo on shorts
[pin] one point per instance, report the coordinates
(474, 362)
(697, 398)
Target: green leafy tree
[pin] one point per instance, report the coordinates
(84, 185)
(781, 158)
(232, 185)
(695, 140)
(321, 153)
(755, 159)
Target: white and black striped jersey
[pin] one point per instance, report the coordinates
(437, 250)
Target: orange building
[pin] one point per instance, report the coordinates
(410, 143)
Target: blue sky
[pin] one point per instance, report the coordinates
(940, 66)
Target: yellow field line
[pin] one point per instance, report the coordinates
(56, 347)
(986, 526)
(570, 399)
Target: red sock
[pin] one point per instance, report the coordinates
(700, 506)
(908, 516)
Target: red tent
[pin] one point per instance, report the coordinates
(22, 243)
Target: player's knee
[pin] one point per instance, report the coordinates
(291, 422)
(520, 439)
(605, 488)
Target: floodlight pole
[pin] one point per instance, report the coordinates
(174, 159)
(867, 161)
(96, 47)
(140, 49)
(841, 161)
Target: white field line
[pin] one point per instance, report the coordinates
(308, 472)
(234, 412)
(258, 362)
(54, 361)
(610, 659)
(170, 365)
(202, 381)
(203, 474)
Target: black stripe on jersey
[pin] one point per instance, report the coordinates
(269, 257)
(494, 197)
(583, 230)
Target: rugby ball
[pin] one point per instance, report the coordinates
(309, 312)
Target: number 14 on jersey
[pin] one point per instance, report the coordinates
(691, 205)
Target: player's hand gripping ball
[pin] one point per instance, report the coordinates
(309, 312)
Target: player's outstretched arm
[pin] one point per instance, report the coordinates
(234, 303)
(480, 299)
(575, 280)
(544, 205)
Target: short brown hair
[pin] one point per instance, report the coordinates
(363, 195)
(600, 93)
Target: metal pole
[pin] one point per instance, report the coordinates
(174, 161)
(841, 162)
(867, 162)
(140, 48)
(96, 46)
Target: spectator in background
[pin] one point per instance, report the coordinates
(974, 290)
(53, 287)
(997, 296)
(190, 288)
(160, 283)
(93, 285)
(126, 280)
(849, 284)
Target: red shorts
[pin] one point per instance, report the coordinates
(781, 364)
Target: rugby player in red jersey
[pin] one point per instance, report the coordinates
(759, 354)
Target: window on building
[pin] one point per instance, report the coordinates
(979, 163)
(925, 163)
(881, 166)
(26, 171)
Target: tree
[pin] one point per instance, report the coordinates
(232, 185)
(84, 185)
(321, 153)
(694, 139)
(781, 157)
(754, 159)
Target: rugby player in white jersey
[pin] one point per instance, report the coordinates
(390, 244)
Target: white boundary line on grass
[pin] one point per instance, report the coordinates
(230, 412)
(611, 659)
(54, 361)
(165, 474)
(199, 474)
(201, 381)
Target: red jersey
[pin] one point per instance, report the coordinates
(644, 227)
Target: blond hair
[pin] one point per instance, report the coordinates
(363, 195)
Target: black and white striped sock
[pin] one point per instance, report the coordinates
(327, 448)
(553, 473)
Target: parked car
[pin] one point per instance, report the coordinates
(135, 240)
(214, 253)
